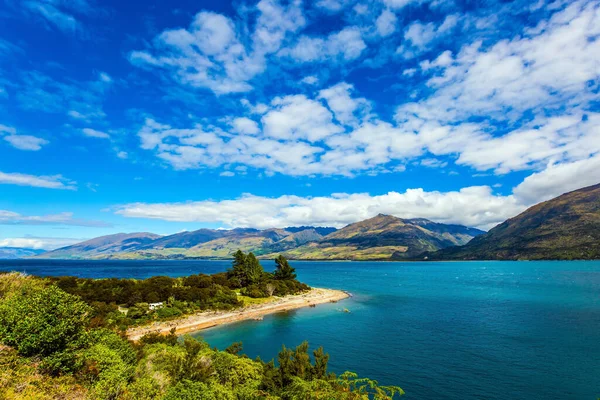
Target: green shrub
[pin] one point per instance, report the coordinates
(46, 322)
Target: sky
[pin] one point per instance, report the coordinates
(154, 116)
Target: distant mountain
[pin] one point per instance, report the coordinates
(377, 238)
(564, 228)
(202, 243)
(321, 230)
(11, 253)
(103, 246)
(384, 237)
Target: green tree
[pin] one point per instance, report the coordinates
(246, 268)
(284, 270)
(254, 269)
(44, 322)
(321, 361)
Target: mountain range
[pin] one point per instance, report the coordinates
(377, 238)
(564, 228)
(11, 253)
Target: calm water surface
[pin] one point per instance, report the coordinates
(456, 330)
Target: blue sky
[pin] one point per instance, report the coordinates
(167, 116)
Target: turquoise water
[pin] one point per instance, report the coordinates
(456, 330)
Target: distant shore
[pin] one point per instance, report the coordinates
(208, 319)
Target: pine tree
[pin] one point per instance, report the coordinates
(284, 270)
(254, 271)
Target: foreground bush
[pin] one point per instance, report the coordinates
(51, 349)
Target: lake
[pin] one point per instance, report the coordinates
(447, 330)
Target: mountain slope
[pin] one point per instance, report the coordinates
(103, 246)
(11, 253)
(385, 236)
(202, 243)
(564, 228)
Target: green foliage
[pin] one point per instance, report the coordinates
(45, 322)
(99, 364)
(283, 269)
(189, 390)
(246, 269)
(153, 338)
(106, 372)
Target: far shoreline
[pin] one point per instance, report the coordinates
(209, 319)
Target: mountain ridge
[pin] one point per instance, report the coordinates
(371, 240)
(563, 228)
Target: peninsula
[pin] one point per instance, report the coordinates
(209, 319)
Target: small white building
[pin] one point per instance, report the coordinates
(154, 306)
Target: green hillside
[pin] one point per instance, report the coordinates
(564, 228)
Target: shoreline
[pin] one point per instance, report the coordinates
(208, 319)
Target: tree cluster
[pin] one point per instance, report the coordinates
(55, 352)
(182, 295)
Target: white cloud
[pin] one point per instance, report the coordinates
(55, 16)
(49, 182)
(345, 45)
(216, 54)
(344, 106)
(21, 142)
(500, 84)
(398, 4)
(65, 218)
(26, 142)
(7, 129)
(557, 179)
(38, 243)
(310, 80)
(122, 155)
(95, 134)
(472, 206)
(386, 23)
(296, 117)
(245, 125)
(419, 34)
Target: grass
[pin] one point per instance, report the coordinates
(248, 301)
(311, 252)
(20, 379)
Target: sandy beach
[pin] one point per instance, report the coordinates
(207, 319)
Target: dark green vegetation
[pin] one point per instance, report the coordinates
(52, 350)
(374, 239)
(120, 303)
(564, 228)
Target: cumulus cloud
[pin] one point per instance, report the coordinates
(38, 243)
(419, 36)
(345, 45)
(557, 179)
(472, 206)
(520, 84)
(386, 23)
(49, 182)
(344, 106)
(297, 117)
(65, 218)
(217, 54)
(476, 206)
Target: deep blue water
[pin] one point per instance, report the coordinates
(456, 330)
